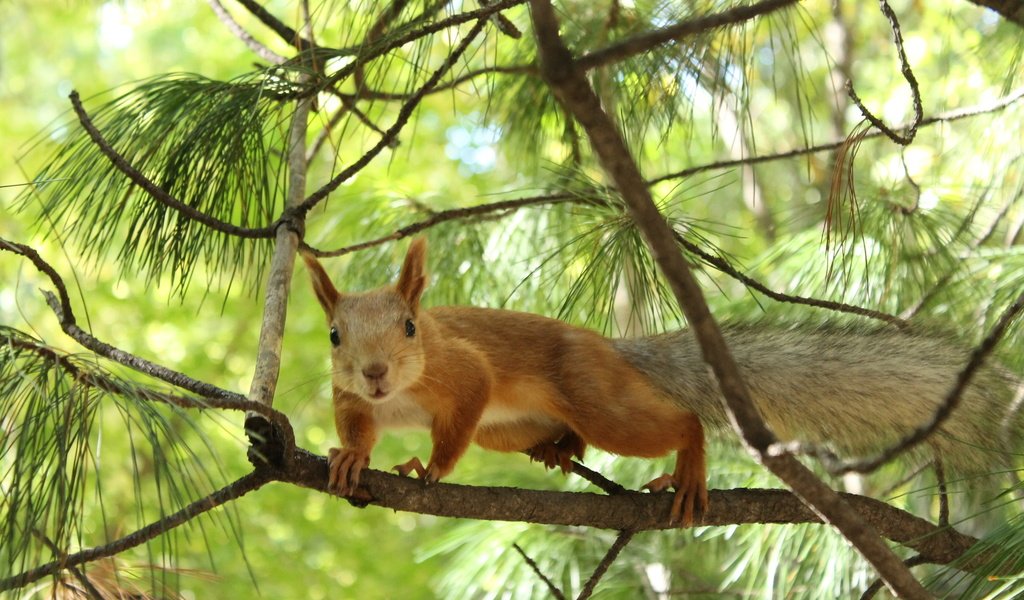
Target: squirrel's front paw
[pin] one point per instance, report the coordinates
(344, 467)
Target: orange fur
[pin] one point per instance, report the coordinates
(509, 381)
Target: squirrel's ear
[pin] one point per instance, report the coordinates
(413, 278)
(325, 291)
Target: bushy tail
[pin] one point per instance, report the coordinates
(855, 389)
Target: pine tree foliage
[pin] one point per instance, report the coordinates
(433, 118)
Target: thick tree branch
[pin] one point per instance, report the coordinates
(625, 511)
(575, 92)
(155, 191)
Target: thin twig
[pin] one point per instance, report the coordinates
(449, 215)
(944, 117)
(155, 191)
(555, 592)
(646, 41)
(908, 74)
(283, 31)
(230, 492)
(723, 266)
(79, 575)
(621, 541)
(392, 133)
(949, 404)
(112, 386)
(233, 26)
(940, 476)
(607, 485)
(61, 305)
(875, 587)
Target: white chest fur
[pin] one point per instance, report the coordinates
(401, 411)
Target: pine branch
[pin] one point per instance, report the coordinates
(155, 191)
(61, 305)
(908, 74)
(233, 491)
(452, 214)
(283, 31)
(232, 25)
(673, 33)
(111, 385)
(400, 121)
(628, 510)
(573, 89)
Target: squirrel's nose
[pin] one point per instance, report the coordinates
(375, 371)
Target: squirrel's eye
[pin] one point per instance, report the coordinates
(335, 338)
(410, 328)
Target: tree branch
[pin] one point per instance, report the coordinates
(570, 85)
(449, 215)
(908, 74)
(61, 305)
(625, 511)
(283, 31)
(621, 541)
(232, 25)
(155, 191)
(647, 41)
(235, 490)
(392, 133)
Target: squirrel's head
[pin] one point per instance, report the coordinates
(377, 349)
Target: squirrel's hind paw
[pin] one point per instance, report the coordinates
(427, 474)
(690, 497)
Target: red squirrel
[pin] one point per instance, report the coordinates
(510, 381)
(514, 381)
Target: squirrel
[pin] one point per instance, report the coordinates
(513, 381)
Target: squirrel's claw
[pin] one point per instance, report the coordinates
(344, 468)
(559, 453)
(690, 496)
(410, 466)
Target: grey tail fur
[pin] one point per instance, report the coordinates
(856, 390)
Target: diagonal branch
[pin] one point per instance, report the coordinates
(673, 33)
(155, 191)
(283, 31)
(112, 385)
(621, 541)
(573, 89)
(239, 488)
(391, 134)
(259, 49)
(61, 305)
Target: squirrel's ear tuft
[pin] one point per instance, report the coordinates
(413, 278)
(325, 291)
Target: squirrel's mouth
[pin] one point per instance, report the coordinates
(378, 394)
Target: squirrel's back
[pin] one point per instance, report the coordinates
(855, 389)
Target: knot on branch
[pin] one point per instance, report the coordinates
(293, 219)
(266, 445)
